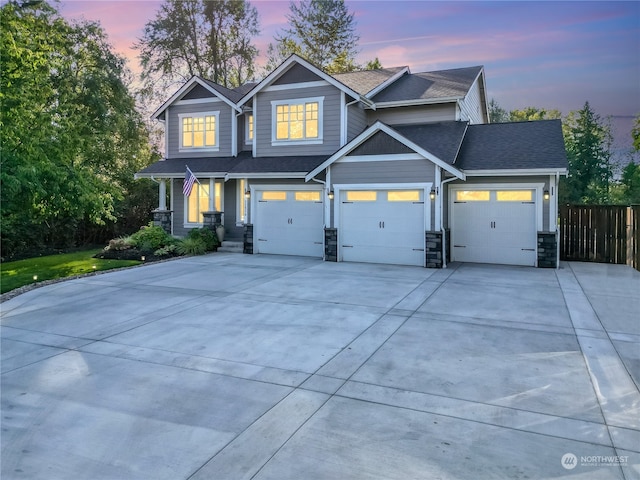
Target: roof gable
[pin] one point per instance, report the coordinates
(297, 74)
(380, 143)
(369, 82)
(394, 134)
(295, 61)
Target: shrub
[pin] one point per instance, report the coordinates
(206, 235)
(192, 246)
(151, 238)
(166, 251)
(120, 243)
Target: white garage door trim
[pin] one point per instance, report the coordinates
(339, 188)
(256, 192)
(538, 189)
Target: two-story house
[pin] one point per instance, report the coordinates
(383, 166)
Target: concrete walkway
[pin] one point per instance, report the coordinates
(239, 366)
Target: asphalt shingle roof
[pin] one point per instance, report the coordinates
(364, 81)
(441, 139)
(430, 85)
(243, 163)
(517, 145)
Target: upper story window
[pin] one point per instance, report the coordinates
(199, 131)
(248, 128)
(297, 121)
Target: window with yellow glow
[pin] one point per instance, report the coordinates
(362, 196)
(200, 201)
(514, 195)
(297, 121)
(473, 195)
(273, 195)
(403, 196)
(199, 131)
(249, 135)
(307, 196)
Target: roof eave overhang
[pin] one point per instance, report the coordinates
(179, 174)
(418, 101)
(379, 126)
(284, 66)
(183, 90)
(265, 175)
(504, 172)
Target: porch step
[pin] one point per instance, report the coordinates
(229, 246)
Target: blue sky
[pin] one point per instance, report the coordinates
(546, 54)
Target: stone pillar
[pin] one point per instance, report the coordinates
(547, 250)
(248, 238)
(434, 249)
(211, 220)
(330, 244)
(162, 218)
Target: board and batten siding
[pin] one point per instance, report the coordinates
(224, 127)
(330, 122)
(471, 105)
(412, 115)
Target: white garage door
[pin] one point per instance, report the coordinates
(289, 222)
(382, 226)
(494, 226)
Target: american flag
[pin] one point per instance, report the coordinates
(189, 180)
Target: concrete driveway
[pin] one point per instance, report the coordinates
(237, 366)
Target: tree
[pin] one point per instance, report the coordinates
(587, 141)
(635, 135)
(321, 31)
(373, 64)
(211, 39)
(529, 114)
(497, 114)
(68, 128)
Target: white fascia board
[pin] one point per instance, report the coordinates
(187, 86)
(515, 172)
(279, 175)
(180, 175)
(418, 101)
(379, 126)
(387, 82)
(284, 66)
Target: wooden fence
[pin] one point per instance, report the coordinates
(600, 233)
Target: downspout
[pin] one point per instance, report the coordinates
(325, 194)
(346, 121)
(444, 244)
(556, 196)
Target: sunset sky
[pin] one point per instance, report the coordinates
(545, 54)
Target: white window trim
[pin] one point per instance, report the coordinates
(212, 203)
(297, 101)
(215, 114)
(247, 140)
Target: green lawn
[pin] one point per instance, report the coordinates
(24, 272)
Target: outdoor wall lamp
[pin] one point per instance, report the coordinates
(331, 195)
(546, 194)
(247, 194)
(432, 194)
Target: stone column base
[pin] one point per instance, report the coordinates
(162, 218)
(434, 249)
(248, 238)
(330, 244)
(547, 250)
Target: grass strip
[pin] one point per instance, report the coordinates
(31, 270)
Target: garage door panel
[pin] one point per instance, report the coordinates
(497, 226)
(286, 226)
(385, 226)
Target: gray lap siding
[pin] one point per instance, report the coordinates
(331, 122)
(224, 129)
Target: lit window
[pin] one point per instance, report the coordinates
(249, 128)
(298, 121)
(200, 201)
(473, 195)
(514, 195)
(362, 196)
(274, 196)
(199, 131)
(242, 205)
(403, 196)
(307, 196)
